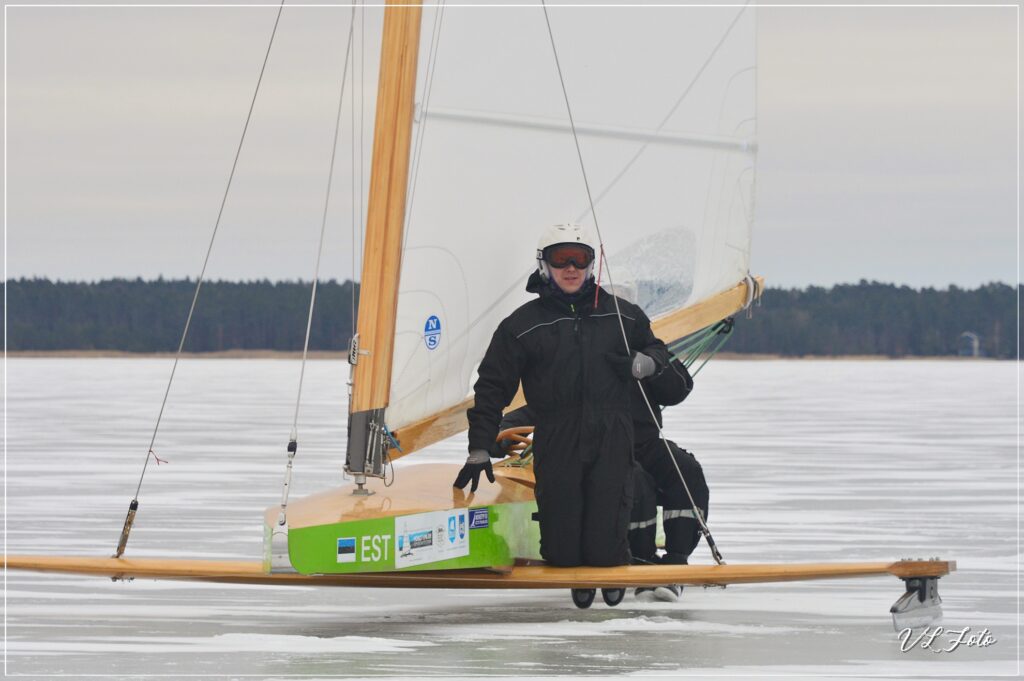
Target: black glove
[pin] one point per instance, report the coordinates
(479, 461)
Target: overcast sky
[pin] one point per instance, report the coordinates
(888, 142)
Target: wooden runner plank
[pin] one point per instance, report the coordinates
(520, 577)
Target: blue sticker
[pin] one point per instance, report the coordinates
(462, 525)
(432, 332)
(451, 529)
(478, 518)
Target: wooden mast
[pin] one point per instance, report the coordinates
(373, 345)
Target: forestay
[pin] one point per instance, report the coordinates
(664, 103)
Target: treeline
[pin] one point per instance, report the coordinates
(148, 316)
(868, 318)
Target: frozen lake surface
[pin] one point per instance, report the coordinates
(806, 460)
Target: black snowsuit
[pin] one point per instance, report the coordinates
(558, 346)
(657, 483)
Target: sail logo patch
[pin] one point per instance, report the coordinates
(432, 332)
(346, 549)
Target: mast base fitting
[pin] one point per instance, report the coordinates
(367, 448)
(361, 490)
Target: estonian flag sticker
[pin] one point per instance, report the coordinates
(346, 549)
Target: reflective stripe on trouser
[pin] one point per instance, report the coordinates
(643, 526)
(682, 533)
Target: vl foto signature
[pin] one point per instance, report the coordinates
(941, 640)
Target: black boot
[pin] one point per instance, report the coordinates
(644, 593)
(674, 559)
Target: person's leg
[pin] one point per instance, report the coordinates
(682, 531)
(643, 521)
(608, 492)
(643, 526)
(559, 494)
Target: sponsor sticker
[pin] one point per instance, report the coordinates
(419, 540)
(430, 537)
(478, 518)
(346, 549)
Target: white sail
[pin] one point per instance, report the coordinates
(664, 104)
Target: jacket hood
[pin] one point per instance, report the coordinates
(535, 284)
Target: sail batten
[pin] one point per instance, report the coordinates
(735, 143)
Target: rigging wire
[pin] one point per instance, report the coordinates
(362, 130)
(355, 195)
(323, 224)
(707, 224)
(668, 116)
(716, 554)
(293, 443)
(421, 133)
(133, 506)
(357, 103)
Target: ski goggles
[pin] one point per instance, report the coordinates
(563, 255)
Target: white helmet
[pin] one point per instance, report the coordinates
(563, 234)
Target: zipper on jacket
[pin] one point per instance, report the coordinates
(581, 353)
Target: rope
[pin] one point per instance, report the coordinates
(689, 349)
(294, 437)
(671, 112)
(362, 131)
(618, 313)
(123, 541)
(357, 159)
(753, 293)
(209, 250)
(323, 225)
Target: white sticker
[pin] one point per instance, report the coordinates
(430, 537)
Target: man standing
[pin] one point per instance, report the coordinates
(567, 348)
